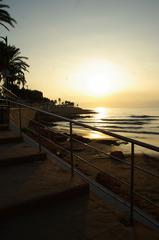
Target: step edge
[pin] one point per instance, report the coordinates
(45, 200)
(23, 159)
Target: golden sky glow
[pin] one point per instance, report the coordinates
(93, 52)
(99, 78)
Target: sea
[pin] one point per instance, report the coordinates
(137, 123)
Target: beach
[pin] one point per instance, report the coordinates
(99, 160)
(95, 157)
(137, 123)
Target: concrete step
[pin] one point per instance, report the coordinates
(18, 153)
(36, 185)
(7, 136)
(4, 127)
(11, 140)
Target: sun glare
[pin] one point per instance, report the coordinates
(102, 112)
(99, 78)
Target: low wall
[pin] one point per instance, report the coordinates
(26, 116)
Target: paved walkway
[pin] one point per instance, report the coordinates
(103, 222)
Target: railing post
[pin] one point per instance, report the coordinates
(20, 121)
(132, 186)
(39, 140)
(39, 129)
(71, 151)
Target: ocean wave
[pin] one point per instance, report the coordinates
(117, 122)
(126, 119)
(143, 116)
(121, 127)
(138, 132)
(127, 122)
(91, 122)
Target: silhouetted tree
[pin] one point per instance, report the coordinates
(12, 65)
(70, 104)
(5, 17)
(59, 100)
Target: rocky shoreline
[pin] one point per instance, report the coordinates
(63, 111)
(105, 159)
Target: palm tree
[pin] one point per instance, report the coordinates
(5, 16)
(12, 65)
(59, 100)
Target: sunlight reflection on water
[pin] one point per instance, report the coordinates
(95, 135)
(102, 112)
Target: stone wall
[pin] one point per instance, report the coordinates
(26, 116)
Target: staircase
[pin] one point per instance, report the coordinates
(38, 199)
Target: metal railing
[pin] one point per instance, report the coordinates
(8, 94)
(72, 155)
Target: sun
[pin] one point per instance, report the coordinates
(99, 78)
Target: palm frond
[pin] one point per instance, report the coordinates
(5, 16)
(12, 65)
(4, 26)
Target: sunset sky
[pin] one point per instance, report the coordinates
(93, 52)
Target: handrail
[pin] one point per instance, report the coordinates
(106, 173)
(10, 92)
(126, 139)
(100, 151)
(129, 140)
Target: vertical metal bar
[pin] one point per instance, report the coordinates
(8, 112)
(8, 103)
(132, 186)
(71, 151)
(39, 140)
(20, 121)
(39, 129)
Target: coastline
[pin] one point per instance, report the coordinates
(107, 166)
(64, 111)
(59, 144)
